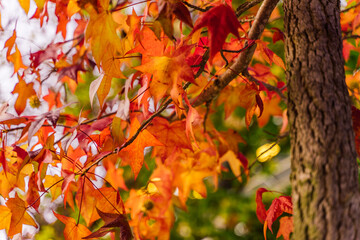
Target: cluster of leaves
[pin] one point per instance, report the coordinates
(154, 94)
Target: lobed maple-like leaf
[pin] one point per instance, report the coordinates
(241, 95)
(234, 162)
(172, 135)
(51, 52)
(168, 8)
(25, 91)
(73, 230)
(269, 55)
(286, 227)
(168, 74)
(220, 21)
(19, 215)
(135, 151)
(113, 222)
(278, 206)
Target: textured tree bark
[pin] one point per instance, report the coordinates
(324, 175)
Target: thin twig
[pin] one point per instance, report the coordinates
(351, 36)
(196, 7)
(246, 6)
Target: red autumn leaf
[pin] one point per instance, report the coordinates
(113, 221)
(278, 206)
(166, 11)
(260, 207)
(220, 20)
(85, 130)
(71, 71)
(51, 52)
(278, 35)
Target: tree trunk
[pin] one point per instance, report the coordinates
(324, 174)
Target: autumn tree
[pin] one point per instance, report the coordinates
(156, 76)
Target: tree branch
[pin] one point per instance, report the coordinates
(196, 7)
(242, 62)
(246, 6)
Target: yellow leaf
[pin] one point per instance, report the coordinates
(72, 8)
(234, 163)
(40, 4)
(25, 4)
(197, 195)
(151, 188)
(267, 151)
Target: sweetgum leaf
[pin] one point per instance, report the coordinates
(220, 20)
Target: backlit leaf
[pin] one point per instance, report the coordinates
(220, 21)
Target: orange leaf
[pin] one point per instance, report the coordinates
(286, 227)
(234, 162)
(148, 45)
(25, 91)
(10, 44)
(136, 148)
(5, 218)
(73, 230)
(270, 56)
(19, 216)
(172, 135)
(101, 30)
(168, 74)
(230, 97)
(32, 195)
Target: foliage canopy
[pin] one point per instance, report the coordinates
(174, 91)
